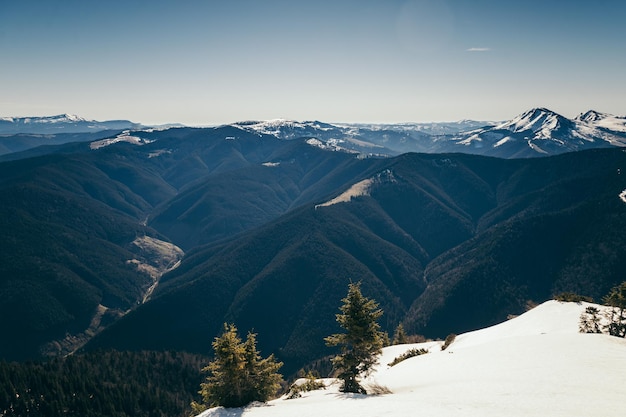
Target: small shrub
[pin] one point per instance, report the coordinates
(406, 355)
(376, 389)
(616, 313)
(449, 339)
(311, 384)
(590, 321)
(570, 297)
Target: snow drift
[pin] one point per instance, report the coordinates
(537, 364)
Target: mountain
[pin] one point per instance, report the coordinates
(351, 138)
(79, 246)
(534, 364)
(75, 253)
(536, 132)
(63, 123)
(252, 210)
(18, 134)
(431, 238)
(603, 120)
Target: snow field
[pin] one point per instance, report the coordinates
(537, 364)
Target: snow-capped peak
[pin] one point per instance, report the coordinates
(534, 120)
(281, 127)
(603, 120)
(62, 118)
(591, 116)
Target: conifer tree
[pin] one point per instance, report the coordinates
(399, 336)
(616, 314)
(362, 341)
(238, 375)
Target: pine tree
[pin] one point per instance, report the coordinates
(361, 343)
(262, 378)
(399, 336)
(616, 314)
(590, 320)
(238, 375)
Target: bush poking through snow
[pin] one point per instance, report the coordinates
(570, 297)
(377, 389)
(590, 320)
(449, 339)
(616, 313)
(310, 384)
(406, 355)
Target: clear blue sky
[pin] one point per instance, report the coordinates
(219, 61)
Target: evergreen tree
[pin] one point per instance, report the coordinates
(238, 375)
(399, 336)
(361, 343)
(590, 320)
(263, 379)
(616, 314)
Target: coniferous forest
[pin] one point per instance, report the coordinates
(111, 383)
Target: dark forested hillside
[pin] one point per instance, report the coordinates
(113, 384)
(274, 231)
(444, 242)
(70, 219)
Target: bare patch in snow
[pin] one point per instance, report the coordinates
(158, 153)
(359, 189)
(125, 136)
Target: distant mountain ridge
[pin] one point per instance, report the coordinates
(534, 133)
(62, 123)
(539, 132)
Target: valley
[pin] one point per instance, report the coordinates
(153, 238)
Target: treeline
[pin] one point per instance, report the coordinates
(104, 383)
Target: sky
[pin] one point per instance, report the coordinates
(204, 62)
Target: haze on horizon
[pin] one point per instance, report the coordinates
(211, 62)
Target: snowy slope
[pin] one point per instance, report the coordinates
(541, 131)
(603, 120)
(62, 123)
(534, 365)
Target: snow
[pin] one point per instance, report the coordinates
(359, 189)
(535, 120)
(537, 364)
(125, 136)
(604, 120)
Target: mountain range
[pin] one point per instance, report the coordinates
(537, 132)
(152, 238)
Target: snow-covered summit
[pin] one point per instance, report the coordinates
(540, 131)
(61, 123)
(61, 118)
(283, 128)
(539, 120)
(603, 120)
(537, 364)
